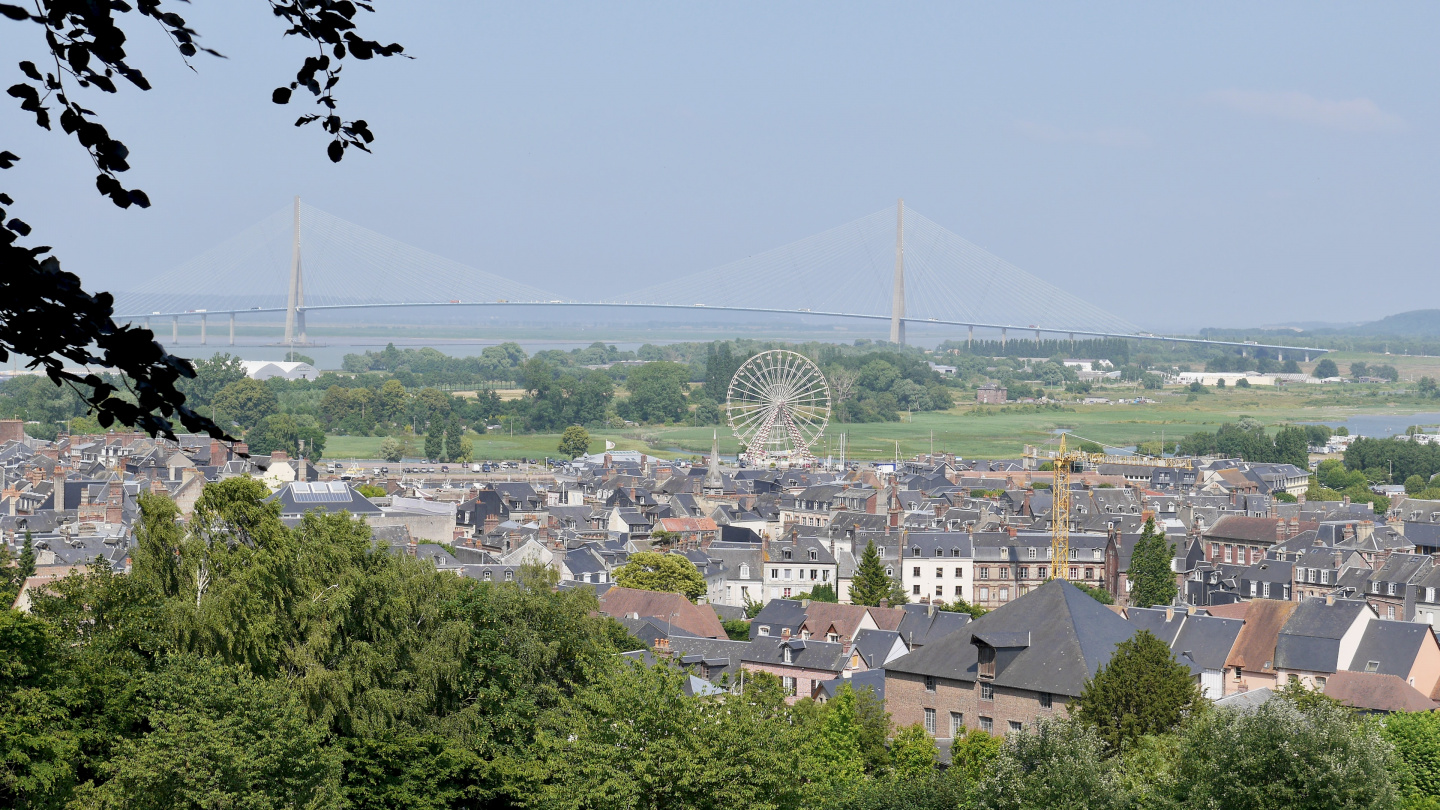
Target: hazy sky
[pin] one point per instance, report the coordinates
(1182, 165)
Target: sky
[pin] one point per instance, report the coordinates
(1218, 164)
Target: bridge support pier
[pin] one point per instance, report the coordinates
(202, 330)
(232, 329)
(1072, 342)
(174, 328)
(1307, 357)
(1281, 355)
(147, 321)
(1002, 340)
(970, 340)
(1037, 337)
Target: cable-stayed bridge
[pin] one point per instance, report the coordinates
(893, 265)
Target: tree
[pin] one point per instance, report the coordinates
(1283, 755)
(391, 450)
(657, 392)
(1150, 575)
(45, 313)
(1426, 386)
(435, 444)
(285, 432)
(1053, 765)
(245, 402)
(871, 584)
(1325, 369)
(914, 753)
(972, 753)
(1098, 594)
(574, 442)
(26, 562)
(1416, 739)
(372, 491)
(211, 376)
(668, 573)
(821, 593)
(1141, 690)
(837, 745)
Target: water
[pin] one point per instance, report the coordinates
(1381, 425)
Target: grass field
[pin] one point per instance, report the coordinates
(1004, 433)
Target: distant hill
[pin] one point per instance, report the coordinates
(1415, 323)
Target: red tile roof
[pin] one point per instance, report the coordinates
(667, 607)
(1376, 692)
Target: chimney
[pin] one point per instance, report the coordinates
(279, 456)
(1330, 598)
(218, 455)
(1010, 530)
(59, 493)
(884, 604)
(410, 548)
(662, 644)
(1280, 530)
(1365, 530)
(1338, 558)
(1169, 614)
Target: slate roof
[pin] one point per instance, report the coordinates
(872, 679)
(806, 653)
(874, 646)
(1206, 641)
(1070, 636)
(1310, 639)
(721, 656)
(299, 497)
(1392, 645)
(921, 626)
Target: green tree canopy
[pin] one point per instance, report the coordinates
(667, 573)
(1151, 580)
(1141, 690)
(245, 402)
(574, 442)
(871, 584)
(1325, 369)
(657, 392)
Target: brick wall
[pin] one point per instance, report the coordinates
(12, 430)
(906, 698)
(805, 679)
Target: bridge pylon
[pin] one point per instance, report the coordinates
(897, 300)
(295, 300)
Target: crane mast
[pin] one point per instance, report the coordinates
(1060, 515)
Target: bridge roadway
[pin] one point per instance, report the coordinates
(972, 325)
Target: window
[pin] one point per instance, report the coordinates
(930, 720)
(1254, 588)
(813, 556)
(986, 661)
(1098, 554)
(1049, 552)
(929, 683)
(959, 591)
(1089, 573)
(1324, 577)
(787, 553)
(954, 552)
(1229, 554)
(1372, 666)
(805, 634)
(939, 590)
(787, 594)
(774, 573)
(1265, 590)
(1390, 588)
(939, 573)
(488, 576)
(984, 572)
(833, 638)
(825, 575)
(1074, 572)
(914, 551)
(764, 630)
(789, 572)
(1074, 553)
(959, 572)
(1004, 572)
(1016, 727)
(987, 725)
(915, 590)
(789, 655)
(1032, 552)
(1320, 682)
(957, 724)
(813, 573)
(1310, 575)
(1214, 551)
(1046, 701)
(789, 685)
(984, 594)
(1389, 611)
(744, 571)
(1004, 594)
(509, 576)
(915, 571)
(939, 552)
(987, 690)
(1041, 572)
(1429, 594)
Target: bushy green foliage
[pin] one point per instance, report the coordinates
(1283, 755)
(1053, 765)
(1098, 594)
(1249, 441)
(667, 573)
(574, 442)
(820, 593)
(1416, 738)
(1142, 690)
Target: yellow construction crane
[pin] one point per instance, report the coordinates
(1064, 460)
(1060, 514)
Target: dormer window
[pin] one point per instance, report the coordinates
(914, 551)
(1033, 552)
(833, 638)
(744, 571)
(789, 655)
(764, 630)
(787, 553)
(813, 555)
(986, 665)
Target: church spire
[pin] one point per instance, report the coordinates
(714, 484)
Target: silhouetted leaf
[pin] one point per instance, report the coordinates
(336, 151)
(281, 95)
(28, 68)
(18, 227)
(14, 12)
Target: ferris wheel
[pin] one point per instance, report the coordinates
(778, 406)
